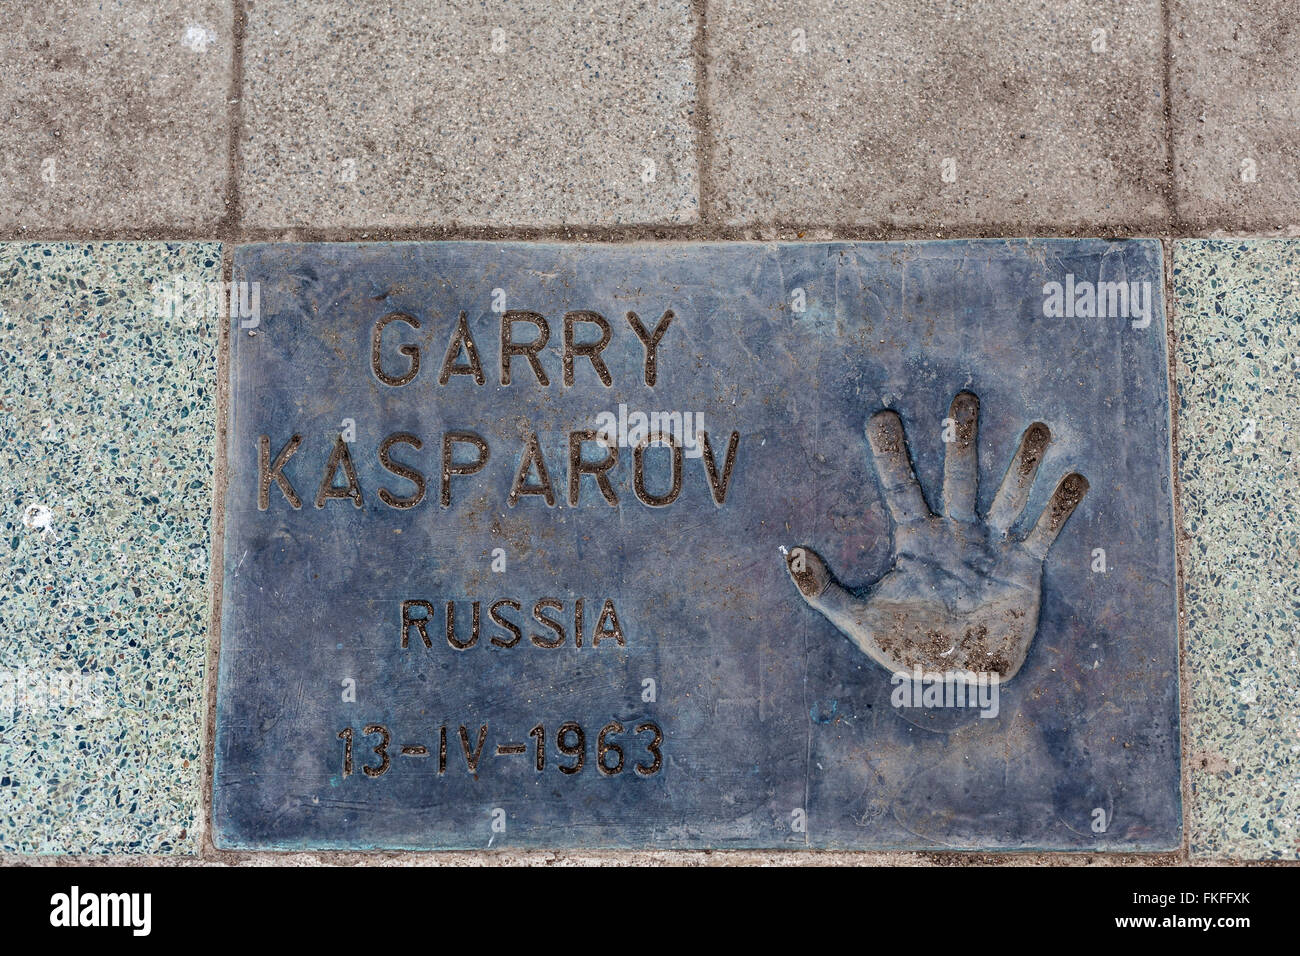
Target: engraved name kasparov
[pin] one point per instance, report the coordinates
(589, 452)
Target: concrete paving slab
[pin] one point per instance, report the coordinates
(468, 114)
(993, 116)
(115, 115)
(1237, 321)
(106, 463)
(1235, 78)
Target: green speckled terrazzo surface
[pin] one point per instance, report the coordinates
(107, 418)
(1237, 323)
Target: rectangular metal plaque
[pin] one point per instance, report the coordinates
(718, 545)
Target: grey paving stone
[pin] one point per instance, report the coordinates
(1236, 112)
(114, 114)
(465, 113)
(1237, 321)
(106, 462)
(850, 120)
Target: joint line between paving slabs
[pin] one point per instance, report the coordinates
(231, 222)
(703, 121)
(806, 232)
(1167, 116)
(1175, 478)
(229, 234)
(206, 848)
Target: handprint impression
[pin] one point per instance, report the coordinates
(962, 594)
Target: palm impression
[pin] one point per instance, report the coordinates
(962, 594)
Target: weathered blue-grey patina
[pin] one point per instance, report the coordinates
(737, 545)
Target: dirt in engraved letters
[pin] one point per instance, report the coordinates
(591, 453)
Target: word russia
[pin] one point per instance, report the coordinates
(463, 634)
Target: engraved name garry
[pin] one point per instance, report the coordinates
(464, 452)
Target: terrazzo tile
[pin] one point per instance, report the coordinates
(1237, 321)
(911, 113)
(115, 114)
(107, 418)
(468, 113)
